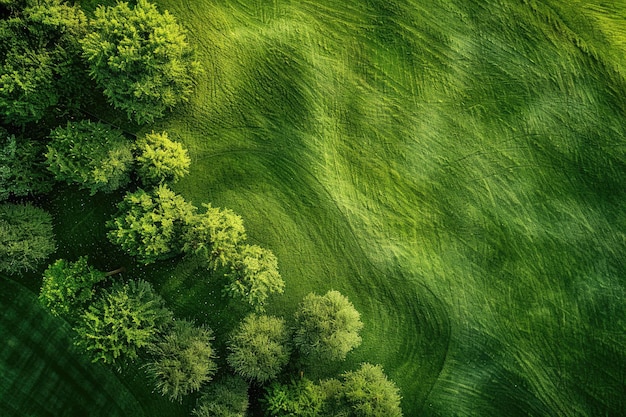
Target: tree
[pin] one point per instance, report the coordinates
(225, 398)
(150, 225)
(125, 319)
(26, 237)
(40, 65)
(141, 59)
(22, 168)
(300, 398)
(68, 287)
(183, 360)
(259, 347)
(367, 392)
(216, 235)
(93, 155)
(160, 159)
(327, 327)
(255, 276)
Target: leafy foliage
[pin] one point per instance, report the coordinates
(122, 321)
(40, 64)
(161, 159)
(259, 347)
(298, 398)
(365, 392)
(227, 397)
(216, 235)
(141, 59)
(255, 276)
(26, 237)
(327, 327)
(22, 168)
(93, 155)
(150, 225)
(183, 360)
(68, 287)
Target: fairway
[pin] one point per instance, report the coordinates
(456, 168)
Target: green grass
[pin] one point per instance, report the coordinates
(456, 168)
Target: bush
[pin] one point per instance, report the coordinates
(225, 398)
(160, 159)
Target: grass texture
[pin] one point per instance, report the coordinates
(456, 168)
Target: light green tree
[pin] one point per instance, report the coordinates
(255, 276)
(183, 360)
(140, 58)
(150, 225)
(68, 287)
(90, 154)
(122, 321)
(327, 327)
(300, 398)
(26, 237)
(216, 235)
(160, 159)
(259, 347)
(227, 397)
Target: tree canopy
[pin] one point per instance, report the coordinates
(125, 319)
(259, 347)
(68, 287)
(140, 58)
(183, 360)
(22, 168)
(327, 327)
(90, 154)
(160, 159)
(227, 397)
(255, 276)
(216, 235)
(300, 398)
(26, 237)
(40, 65)
(149, 225)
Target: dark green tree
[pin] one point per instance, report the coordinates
(150, 225)
(327, 327)
(122, 321)
(160, 159)
(183, 360)
(68, 287)
(216, 235)
(300, 398)
(141, 59)
(22, 168)
(255, 276)
(259, 347)
(40, 64)
(26, 237)
(227, 397)
(90, 154)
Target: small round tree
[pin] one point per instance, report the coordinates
(150, 225)
(22, 168)
(259, 347)
(183, 360)
(227, 397)
(327, 327)
(216, 235)
(92, 155)
(68, 287)
(141, 59)
(367, 392)
(160, 159)
(26, 237)
(122, 321)
(300, 398)
(255, 276)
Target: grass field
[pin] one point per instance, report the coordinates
(455, 167)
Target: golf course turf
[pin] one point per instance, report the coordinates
(456, 168)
